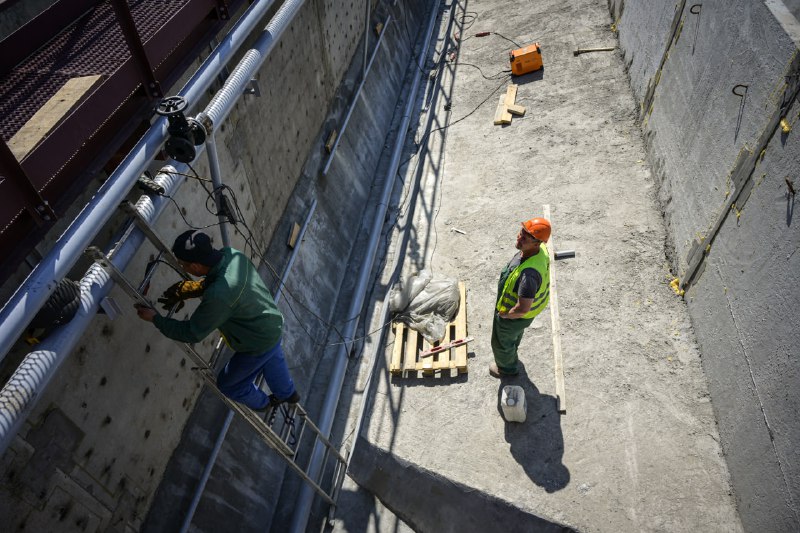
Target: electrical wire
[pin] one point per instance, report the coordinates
(506, 38)
(468, 18)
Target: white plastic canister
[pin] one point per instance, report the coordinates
(513, 403)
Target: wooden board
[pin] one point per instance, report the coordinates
(515, 109)
(558, 362)
(408, 343)
(511, 94)
(501, 114)
(50, 114)
(507, 106)
(293, 235)
(331, 140)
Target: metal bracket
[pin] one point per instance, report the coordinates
(110, 307)
(253, 88)
(23, 191)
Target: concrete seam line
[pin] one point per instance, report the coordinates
(651, 89)
(760, 403)
(742, 173)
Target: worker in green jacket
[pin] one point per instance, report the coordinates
(237, 303)
(522, 293)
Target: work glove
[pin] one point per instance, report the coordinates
(180, 291)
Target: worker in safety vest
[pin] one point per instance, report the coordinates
(522, 293)
(235, 301)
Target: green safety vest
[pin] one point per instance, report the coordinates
(508, 298)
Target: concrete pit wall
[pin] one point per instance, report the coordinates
(121, 420)
(710, 148)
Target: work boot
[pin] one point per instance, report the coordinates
(294, 398)
(496, 372)
(274, 401)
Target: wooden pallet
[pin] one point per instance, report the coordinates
(408, 343)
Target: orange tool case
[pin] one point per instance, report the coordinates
(525, 59)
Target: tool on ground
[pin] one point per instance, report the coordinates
(564, 254)
(525, 59)
(443, 347)
(580, 51)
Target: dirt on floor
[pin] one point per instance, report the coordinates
(638, 448)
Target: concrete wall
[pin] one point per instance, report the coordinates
(706, 145)
(118, 440)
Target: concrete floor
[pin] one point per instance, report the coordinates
(638, 447)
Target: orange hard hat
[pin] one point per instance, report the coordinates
(538, 227)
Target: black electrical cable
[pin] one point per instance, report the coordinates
(507, 39)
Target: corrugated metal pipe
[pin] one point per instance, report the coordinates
(336, 381)
(222, 104)
(38, 286)
(18, 396)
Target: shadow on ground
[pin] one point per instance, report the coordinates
(427, 501)
(537, 444)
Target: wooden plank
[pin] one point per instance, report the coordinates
(50, 114)
(331, 140)
(461, 328)
(515, 109)
(558, 362)
(397, 350)
(444, 355)
(293, 235)
(410, 362)
(428, 364)
(511, 94)
(501, 115)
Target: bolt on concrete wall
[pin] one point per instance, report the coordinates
(728, 74)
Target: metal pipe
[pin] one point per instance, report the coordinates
(355, 98)
(216, 180)
(305, 498)
(17, 397)
(34, 291)
(198, 494)
(222, 104)
(366, 41)
(212, 458)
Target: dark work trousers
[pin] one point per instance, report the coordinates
(506, 336)
(236, 380)
(506, 333)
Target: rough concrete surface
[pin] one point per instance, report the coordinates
(638, 448)
(723, 160)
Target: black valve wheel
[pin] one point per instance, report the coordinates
(171, 106)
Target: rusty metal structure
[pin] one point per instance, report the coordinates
(133, 48)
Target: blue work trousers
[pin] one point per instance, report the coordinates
(236, 380)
